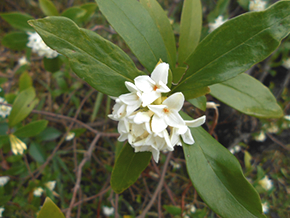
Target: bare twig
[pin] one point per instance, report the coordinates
(158, 189)
(87, 156)
(277, 141)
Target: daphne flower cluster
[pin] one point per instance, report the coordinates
(148, 119)
(38, 46)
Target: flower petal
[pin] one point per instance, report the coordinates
(149, 97)
(163, 88)
(157, 109)
(174, 119)
(174, 101)
(187, 137)
(158, 124)
(144, 83)
(195, 123)
(160, 73)
(131, 87)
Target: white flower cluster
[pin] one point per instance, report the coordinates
(266, 183)
(38, 46)
(4, 110)
(149, 120)
(217, 23)
(257, 5)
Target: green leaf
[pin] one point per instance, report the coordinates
(162, 22)
(31, 129)
(49, 210)
(22, 106)
(48, 8)
(218, 178)
(173, 210)
(74, 13)
(199, 102)
(4, 139)
(178, 74)
(52, 64)
(49, 134)
(235, 47)
(94, 59)
(247, 95)
(18, 20)
(190, 29)
(37, 152)
(219, 9)
(129, 165)
(135, 25)
(15, 40)
(25, 81)
(90, 9)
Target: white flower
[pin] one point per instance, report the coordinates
(22, 61)
(287, 117)
(17, 145)
(148, 119)
(190, 208)
(154, 86)
(4, 180)
(4, 110)
(50, 185)
(184, 131)
(266, 183)
(174, 165)
(38, 192)
(265, 207)
(167, 114)
(257, 5)
(38, 46)
(1, 211)
(70, 136)
(108, 211)
(217, 23)
(235, 149)
(261, 137)
(286, 63)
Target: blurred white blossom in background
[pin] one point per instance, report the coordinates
(266, 183)
(108, 211)
(4, 180)
(4, 110)
(17, 146)
(257, 5)
(217, 23)
(38, 46)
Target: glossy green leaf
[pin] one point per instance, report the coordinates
(135, 25)
(162, 22)
(22, 106)
(218, 178)
(99, 62)
(74, 13)
(15, 40)
(18, 20)
(31, 129)
(25, 81)
(236, 46)
(247, 95)
(178, 74)
(50, 210)
(199, 102)
(48, 8)
(37, 152)
(128, 167)
(190, 29)
(49, 134)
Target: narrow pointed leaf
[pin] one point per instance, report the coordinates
(48, 8)
(49, 210)
(18, 20)
(22, 106)
(199, 102)
(129, 165)
(162, 22)
(247, 95)
(218, 178)
(237, 45)
(190, 29)
(135, 25)
(99, 62)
